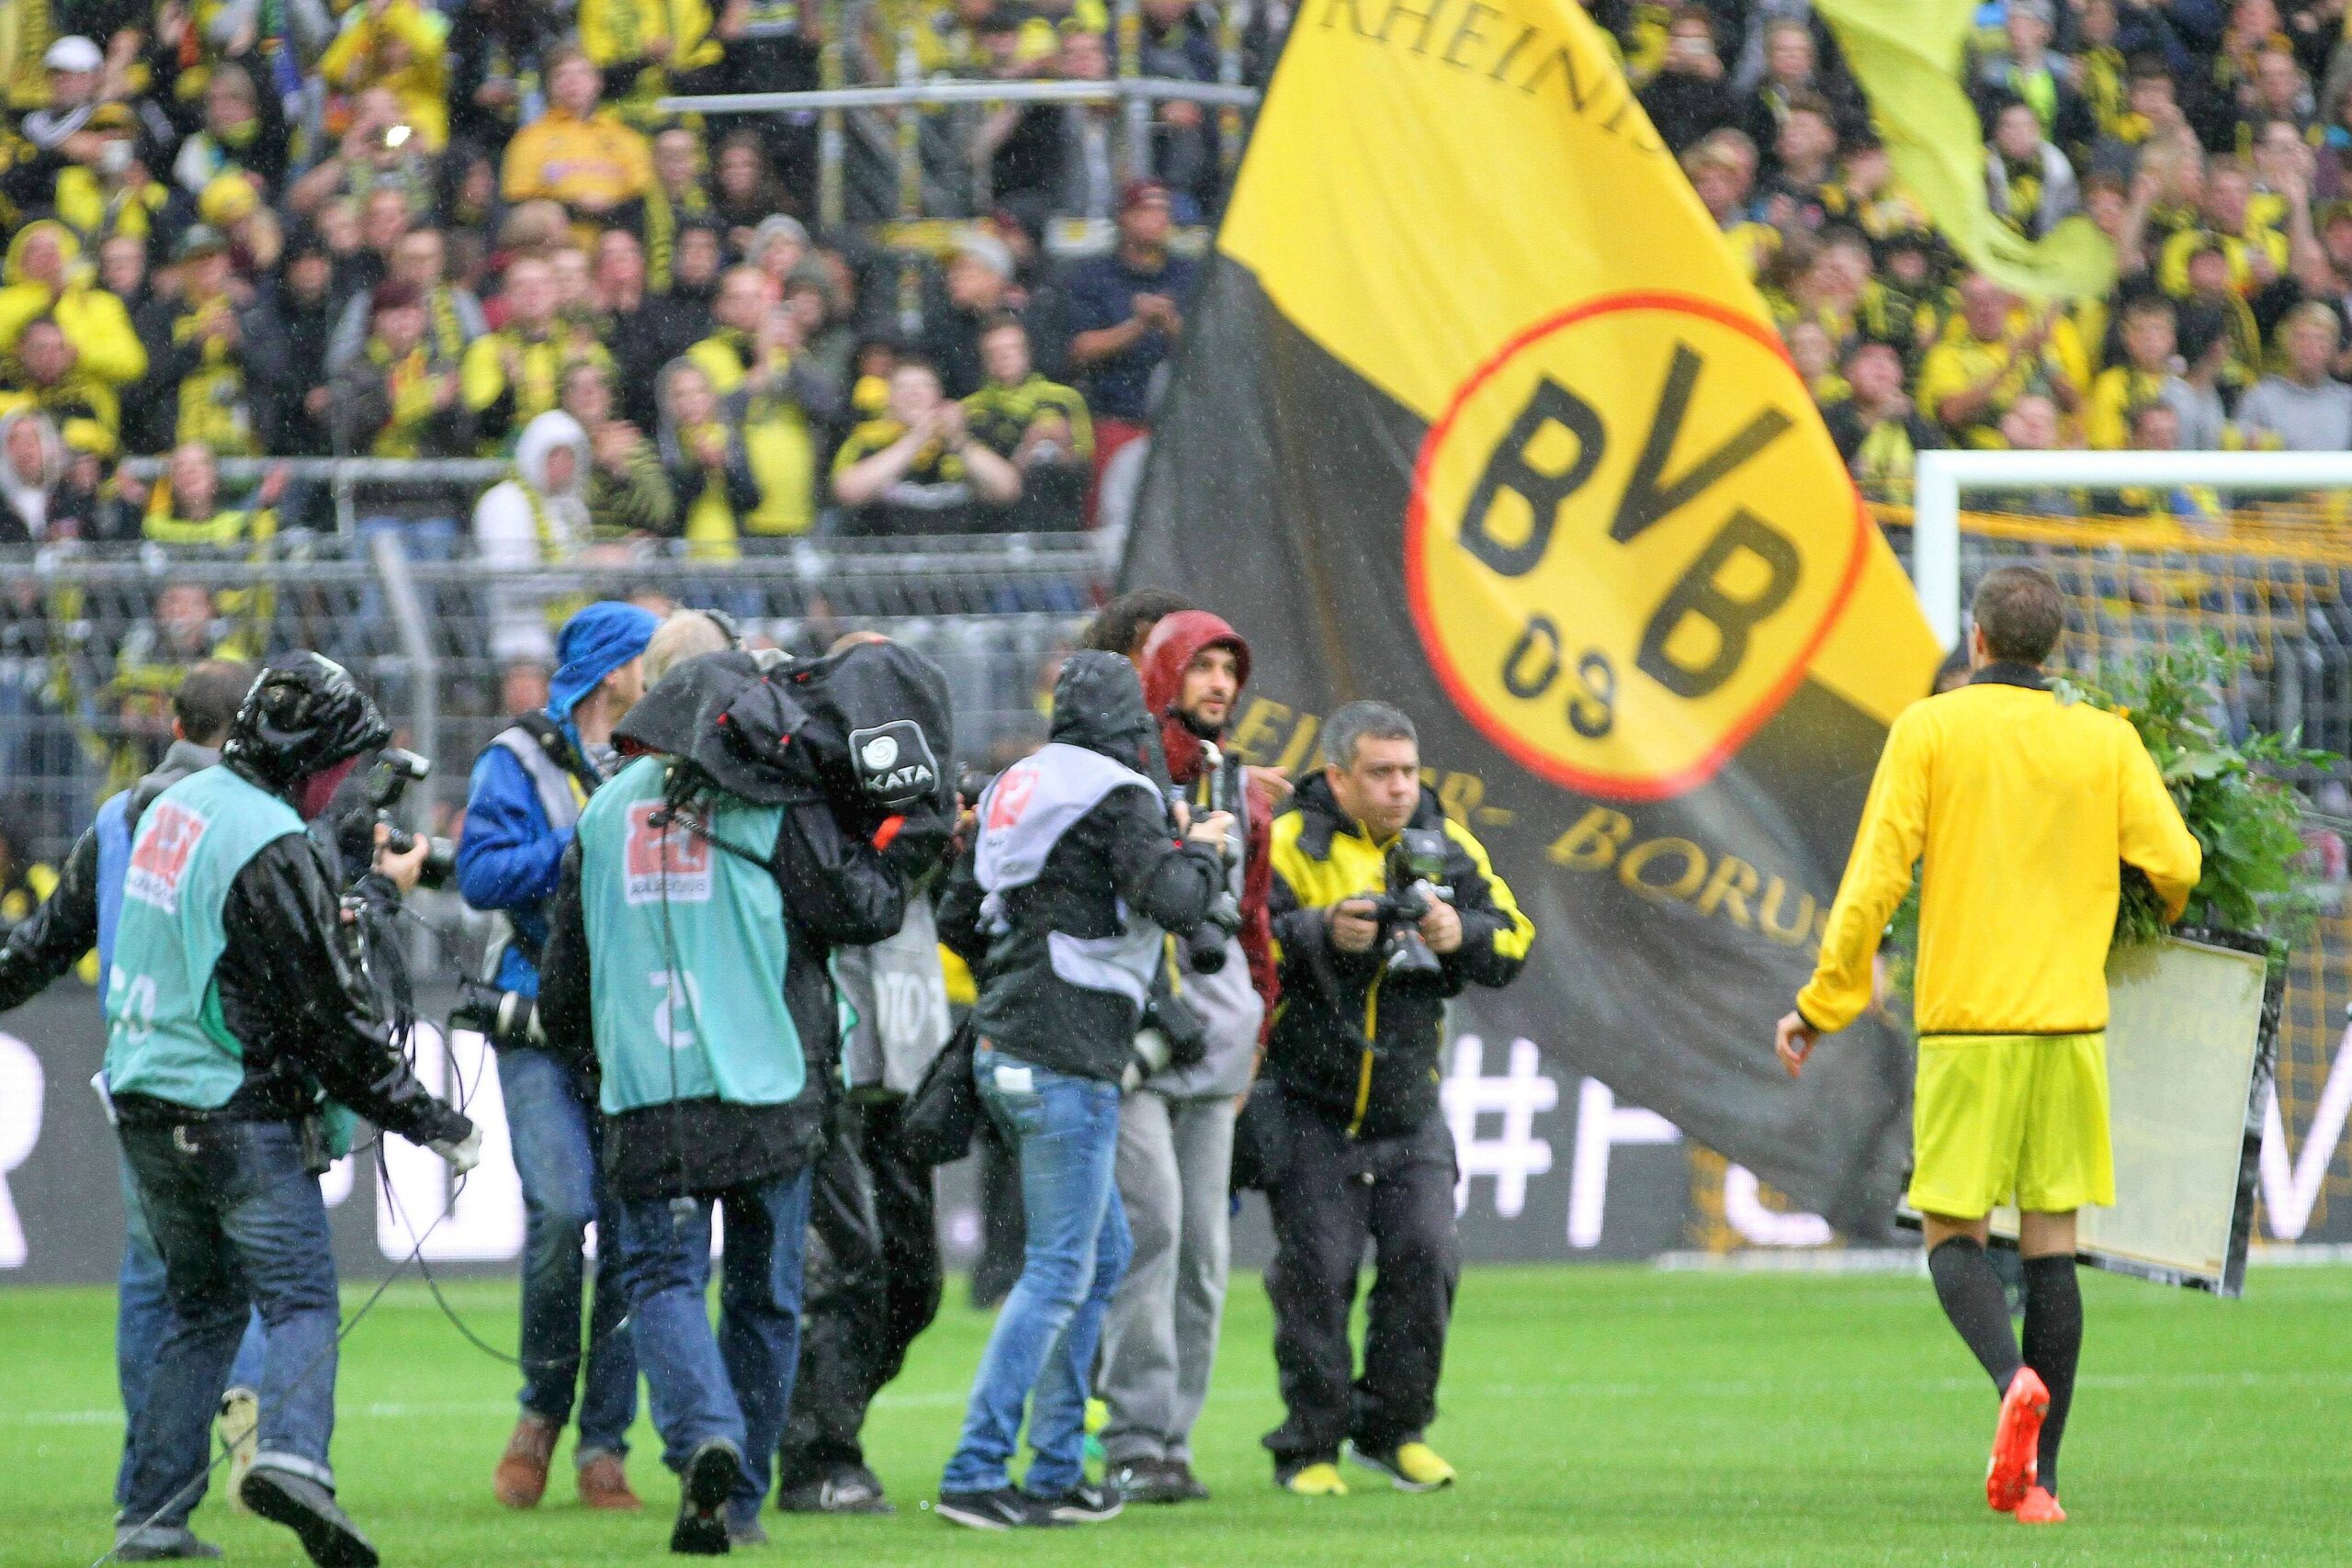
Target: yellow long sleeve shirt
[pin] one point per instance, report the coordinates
(592, 160)
(2020, 811)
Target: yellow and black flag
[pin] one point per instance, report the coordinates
(1475, 413)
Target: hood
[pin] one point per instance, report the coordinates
(302, 716)
(1174, 643)
(1098, 703)
(544, 435)
(53, 466)
(68, 248)
(598, 639)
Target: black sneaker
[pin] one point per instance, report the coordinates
(711, 1473)
(1188, 1485)
(309, 1510)
(853, 1491)
(160, 1543)
(745, 1530)
(1147, 1481)
(1084, 1503)
(1002, 1509)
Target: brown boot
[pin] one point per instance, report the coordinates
(522, 1476)
(604, 1484)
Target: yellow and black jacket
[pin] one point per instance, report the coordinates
(1348, 1037)
(999, 416)
(85, 412)
(503, 407)
(2020, 809)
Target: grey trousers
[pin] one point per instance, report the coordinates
(1159, 1341)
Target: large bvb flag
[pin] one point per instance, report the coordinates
(1477, 416)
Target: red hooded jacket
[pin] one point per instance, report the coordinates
(1174, 642)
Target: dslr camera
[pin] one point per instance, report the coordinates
(387, 781)
(1415, 862)
(503, 1018)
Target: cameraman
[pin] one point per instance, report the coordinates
(1352, 1060)
(82, 911)
(1176, 1130)
(525, 800)
(689, 968)
(235, 1011)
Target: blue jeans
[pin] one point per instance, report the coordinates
(240, 1224)
(1066, 1130)
(735, 1384)
(141, 1314)
(551, 1120)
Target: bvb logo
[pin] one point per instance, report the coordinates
(1627, 536)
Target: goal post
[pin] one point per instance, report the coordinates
(1945, 478)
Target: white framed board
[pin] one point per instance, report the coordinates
(2190, 1033)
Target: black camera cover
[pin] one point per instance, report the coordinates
(863, 729)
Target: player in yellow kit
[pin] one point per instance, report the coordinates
(2021, 810)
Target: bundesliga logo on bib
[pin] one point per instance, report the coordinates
(670, 861)
(161, 859)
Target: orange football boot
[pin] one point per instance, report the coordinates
(2016, 1441)
(2041, 1508)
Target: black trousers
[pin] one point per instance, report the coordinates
(871, 1283)
(1339, 1192)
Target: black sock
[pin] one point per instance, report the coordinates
(2053, 1342)
(1971, 1298)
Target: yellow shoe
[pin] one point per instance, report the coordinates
(1410, 1467)
(1321, 1480)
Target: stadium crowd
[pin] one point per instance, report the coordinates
(390, 230)
(2208, 141)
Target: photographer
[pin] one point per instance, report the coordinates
(522, 805)
(1176, 1130)
(1061, 906)
(688, 966)
(1383, 909)
(239, 1025)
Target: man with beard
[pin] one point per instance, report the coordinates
(1175, 1151)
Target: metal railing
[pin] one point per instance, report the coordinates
(345, 478)
(92, 644)
(899, 131)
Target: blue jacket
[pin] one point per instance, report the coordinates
(508, 858)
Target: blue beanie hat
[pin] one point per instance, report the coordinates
(592, 645)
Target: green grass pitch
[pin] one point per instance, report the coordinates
(1600, 1416)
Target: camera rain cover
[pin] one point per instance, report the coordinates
(863, 727)
(722, 715)
(879, 720)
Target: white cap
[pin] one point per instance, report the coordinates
(73, 52)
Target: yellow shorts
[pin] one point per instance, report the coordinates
(2001, 1118)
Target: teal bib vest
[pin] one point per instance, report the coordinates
(165, 1034)
(687, 951)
